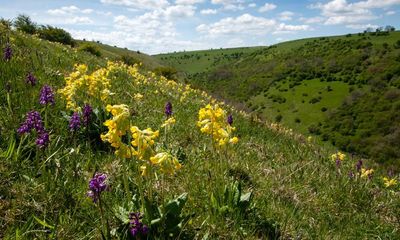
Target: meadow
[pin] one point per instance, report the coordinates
(97, 149)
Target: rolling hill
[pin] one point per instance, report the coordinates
(98, 149)
(343, 88)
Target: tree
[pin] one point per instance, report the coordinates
(54, 34)
(389, 28)
(25, 24)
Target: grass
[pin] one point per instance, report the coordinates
(297, 191)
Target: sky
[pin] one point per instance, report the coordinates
(160, 26)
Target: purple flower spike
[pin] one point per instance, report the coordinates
(230, 119)
(338, 163)
(87, 114)
(351, 175)
(75, 122)
(7, 53)
(46, 95)
(97, 185)
(359, 165)
(32, 121)
(30, 79)
(137, 227)
(168, 109)
(43, 139)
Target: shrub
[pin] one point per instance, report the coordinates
(90, 48)
(168, 72)
(278, 118)
(54, 34)
(297, 120)
(129, 60)
(25, 24)
(323, 109)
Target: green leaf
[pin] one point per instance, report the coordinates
(43, 223)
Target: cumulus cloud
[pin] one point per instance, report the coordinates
(208, 11)
(233, 5)
(286, 16)
(390, 13)
(141, 4)
(267, 7)
(342, 12)
(362, 26)
(188, 2)
(68, 10)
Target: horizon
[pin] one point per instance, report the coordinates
(162, 26)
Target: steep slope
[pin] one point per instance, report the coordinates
(272, 183)
(319, 86)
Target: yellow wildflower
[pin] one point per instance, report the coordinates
(167, 163)
(389, 182)
(138, 96)
(169, 122)
(338, 156)
(366, 173)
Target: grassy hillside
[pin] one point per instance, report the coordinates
(271, 184)
(311, 84)
(116, 53)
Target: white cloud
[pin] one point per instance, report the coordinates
(243, 24)
(342, 12)
(140, 4)
(79, 20)
(267, 7)
(283, 28)
(188, 2)
(252, 5)
(68, 10)
(390, 13)
(208, 11)
(286, 16)
(361, 26)
(232, 5)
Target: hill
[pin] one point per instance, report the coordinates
(92, 149)
(343, 88)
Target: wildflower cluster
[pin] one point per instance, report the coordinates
(80, 85)
(142, 140)
(7, 53)
(34, 121)
(46, 95)
(137, 228)
(97, 185)
(31, 79)
(213, 121)
(166, 162)
(118, 127)
(75, 122)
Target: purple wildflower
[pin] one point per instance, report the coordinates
(30, 79)
(168, 109)
(32, 121)
(97, 185)
(359, 165)
(230, 119)
(338, 163)
(351, 175)
(137, 227)
(46, 95)
(75, 122)
(43, 139)
(87, 114)
(7, 52)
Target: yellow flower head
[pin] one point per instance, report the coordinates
(166, 162)
(389, 182)
(169, 122)
(142, 140)
(338, 156)
(366, 173)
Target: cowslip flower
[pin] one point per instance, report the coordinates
(389, 182)
(168, 109)
(75, 122)
(339, 156)
(46, 95)
(169, 122)
(7, 53)
(31, 79)
(138, 96)
(367, 173)
(166, 162)
(142, 140)
(97, 185)
(137, 228)
(87, 114)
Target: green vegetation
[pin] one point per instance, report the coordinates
(307, 84)
(271, 184)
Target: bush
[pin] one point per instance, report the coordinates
(129, 60)
(167, 72)
(25, 24)
(297, 120)
(54, 34)
(278, 118)
(90, 48)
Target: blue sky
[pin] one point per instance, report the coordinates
(156, 26)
